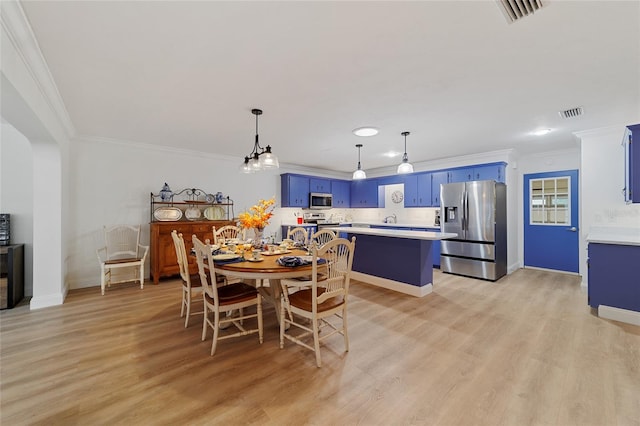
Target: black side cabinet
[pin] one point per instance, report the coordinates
(11, 275)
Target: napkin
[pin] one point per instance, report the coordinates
(291, 261)
(224, 262)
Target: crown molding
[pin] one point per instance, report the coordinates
(16, 26)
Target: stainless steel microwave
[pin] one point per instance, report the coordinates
(318, 200)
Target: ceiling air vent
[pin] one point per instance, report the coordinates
(571, 113)
(514, 10)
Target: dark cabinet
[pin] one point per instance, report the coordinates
(631, 164)
(341, 192)
(11, 275)
(294, 190)
(364, 193)
(319, 185)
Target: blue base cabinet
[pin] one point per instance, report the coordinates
(614, 272)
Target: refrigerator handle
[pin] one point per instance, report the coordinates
(464, 210)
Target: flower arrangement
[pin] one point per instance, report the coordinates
(258, 216)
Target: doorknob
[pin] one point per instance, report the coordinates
(572, 229)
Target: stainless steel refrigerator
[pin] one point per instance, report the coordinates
(477, 212)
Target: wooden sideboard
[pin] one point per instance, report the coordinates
(163, 253)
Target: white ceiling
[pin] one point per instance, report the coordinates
(453, 73)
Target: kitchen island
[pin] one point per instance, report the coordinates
(397, 259)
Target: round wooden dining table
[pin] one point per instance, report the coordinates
(266, 269)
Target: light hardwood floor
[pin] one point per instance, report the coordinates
(526, 350)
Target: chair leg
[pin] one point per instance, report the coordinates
(282, 325)
(188, 299)
(141, 276)
(316, 342)
(184, 301)
(344, 328)
(216, 331)
(204, 323)
(102, 279)
(259, 309)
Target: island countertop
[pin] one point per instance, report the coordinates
(356, 223)
(395, 233)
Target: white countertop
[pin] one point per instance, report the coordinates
(395, 233)
(396, 225)
(609, 235)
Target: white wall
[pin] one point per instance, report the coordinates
(602, 182)
(16, 193)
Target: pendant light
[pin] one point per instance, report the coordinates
(405, 166)
(259, 158)
(359, 173)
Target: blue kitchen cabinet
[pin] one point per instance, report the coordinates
(294, 190)
(319, 185)
(411, 190)
(459, 175)
(613, 271)
(417, 190)
(489, 172)
(364, 193)
(437, 179)
(341, 192)
(632, 164)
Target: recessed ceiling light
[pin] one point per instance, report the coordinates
(365, 131)
(392, 154)
(541, 132)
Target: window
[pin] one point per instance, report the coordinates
(549, 201)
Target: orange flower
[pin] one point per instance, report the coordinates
(258, 216)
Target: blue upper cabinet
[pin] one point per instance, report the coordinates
(364, 193)
(489, 172)
(294, 190)
(631, 164)
(437, 179)
(417, 190)
(459, 175)
(341, 191)
(319, 185)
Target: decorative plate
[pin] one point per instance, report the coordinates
(192, 213)
(397, 197)
(214, 213)
(210, 198)
(167, 214)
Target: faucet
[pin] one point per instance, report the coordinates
(391, 219)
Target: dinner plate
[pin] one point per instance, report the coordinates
(214, 213)
(225, 256)
(167, 214)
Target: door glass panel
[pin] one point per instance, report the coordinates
(549, 201)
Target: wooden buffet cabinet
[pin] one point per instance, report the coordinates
(163, 253)
(190, 211)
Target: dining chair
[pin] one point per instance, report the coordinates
(323, 297)
(190, 283)
(122, 250)
(228, 232)
(298, 235)
(323, 236)
(219, 300)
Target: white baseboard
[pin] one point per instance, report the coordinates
(38, 302)
(617, 314)
(398, 286)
